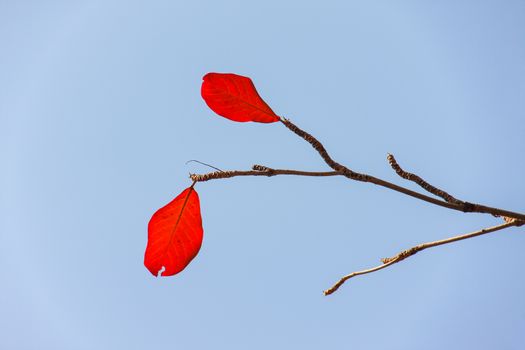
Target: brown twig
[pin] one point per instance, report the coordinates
(258, 170)
(462, 206)
(409, 252)
(511, 218)
(418, 180)
(318, 146)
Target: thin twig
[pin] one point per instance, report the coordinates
(462, 206)
(258, 170)
(418, 180)
(318, 146)
(511, 218)
(409, 252)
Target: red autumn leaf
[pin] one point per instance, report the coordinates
(235, 97)
(174, 234)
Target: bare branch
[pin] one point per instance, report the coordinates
(258, 170)
(447, 201)
(461, 206)
(409, 252)
(318, 146)
(418, 180)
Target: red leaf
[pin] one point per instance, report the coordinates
(235, 97)
(174, 234)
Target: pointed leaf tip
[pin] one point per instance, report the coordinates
(174, 235)
(235, 97)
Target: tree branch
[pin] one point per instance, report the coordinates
(258, 170)
(409, 252)
(461, 206)
(418, 180)
(447, 201)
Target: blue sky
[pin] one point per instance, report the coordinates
(100, 110)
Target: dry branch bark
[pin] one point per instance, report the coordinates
(412, 251)
(446, 201)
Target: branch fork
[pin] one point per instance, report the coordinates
(443, 199)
